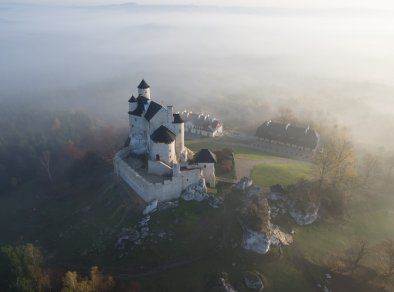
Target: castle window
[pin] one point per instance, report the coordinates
(135, 119)
(205, 166)
(179, 130)
(157, 157)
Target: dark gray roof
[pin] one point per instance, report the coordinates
(140, 106)
(205, 156)
(153, 108)
(143, 98)
(177, 119)
(163, 135)
(132, 99)
(143, 85)
(289, 134)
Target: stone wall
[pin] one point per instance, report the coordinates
(168, 190)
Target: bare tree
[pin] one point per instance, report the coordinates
(387, 249)
(390, 167)
(368, 169)
(285, 115)
(355, 254)
(335, 161)
(45, 160)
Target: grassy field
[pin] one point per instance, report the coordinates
(265, 169)
(268, 174)
(369, 218)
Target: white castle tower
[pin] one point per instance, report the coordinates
(144, 89)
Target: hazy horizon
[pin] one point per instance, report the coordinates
(330, 60)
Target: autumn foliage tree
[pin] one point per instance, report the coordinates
(96, 281)
(335, 162)
(335, 165)
(21, 269)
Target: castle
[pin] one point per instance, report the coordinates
(155, 161)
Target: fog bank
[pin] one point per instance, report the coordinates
(239, 63)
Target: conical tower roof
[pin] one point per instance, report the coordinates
(143, 85)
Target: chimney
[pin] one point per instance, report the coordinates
(170, 113)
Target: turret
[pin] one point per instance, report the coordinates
(144, 89)
(179, 130)
(132, 103)
(206, 160)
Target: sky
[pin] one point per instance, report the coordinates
(238, 60)
(382, 4)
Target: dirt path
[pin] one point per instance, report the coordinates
(243, 167)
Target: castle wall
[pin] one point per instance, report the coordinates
(189, 177)
(168, 190)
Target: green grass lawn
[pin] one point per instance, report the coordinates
(268, 174)
(369, 218)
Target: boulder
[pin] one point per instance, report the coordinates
(222, 283)
(196, 192)
(151, 207)
(144, 232)
(278, 237)
(168, 205)
(306, 215)
(256, 241)
(244, 183)
(127, 235)
(215, 202)
(253, 281)
(144, 221)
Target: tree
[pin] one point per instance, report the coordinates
(335, 162)
(354, 255)
(45, 160)
(368, 169)
(96, 282)
(285, 115)
(387, 252)
(390, 167)
(21, 269)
